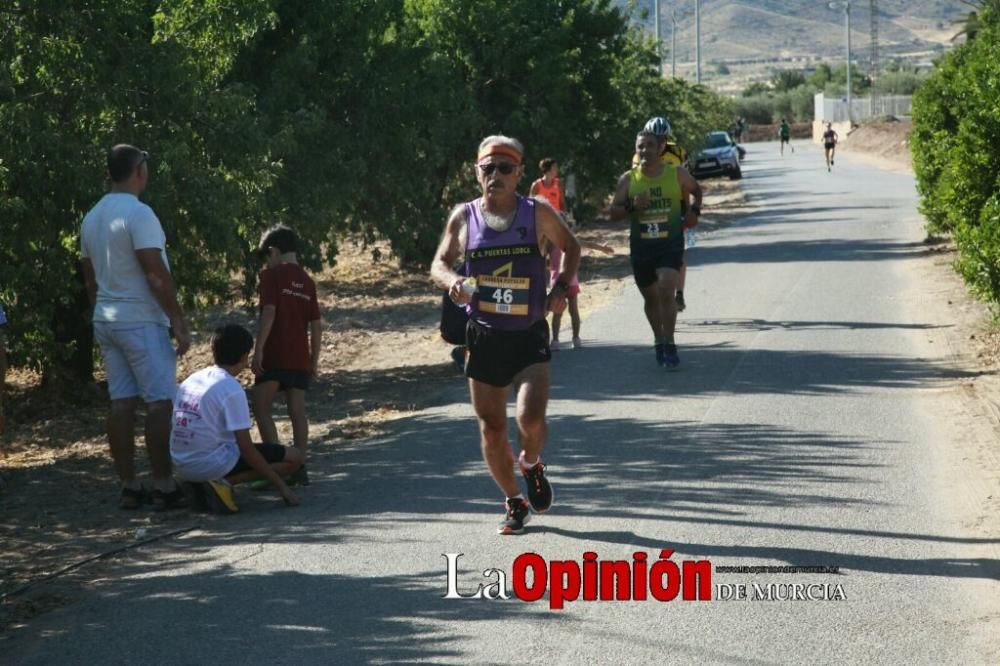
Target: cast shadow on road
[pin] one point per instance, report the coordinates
(628, 372)
(947, 567)
(811, 251)
(743, 325)
(225, 615)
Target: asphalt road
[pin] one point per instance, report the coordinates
(812, 423)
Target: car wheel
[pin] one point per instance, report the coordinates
(736, 174)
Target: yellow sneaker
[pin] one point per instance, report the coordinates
(220, 499)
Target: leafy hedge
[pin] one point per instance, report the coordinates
(339, 117)
(956, 152)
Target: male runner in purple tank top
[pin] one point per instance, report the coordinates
(501, 235)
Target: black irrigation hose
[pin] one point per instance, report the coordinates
(77, 565)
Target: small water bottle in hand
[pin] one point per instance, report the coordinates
(470, 286)
(691, 241)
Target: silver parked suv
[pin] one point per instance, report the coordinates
(719, 157)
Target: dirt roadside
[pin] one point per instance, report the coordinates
(886, 145)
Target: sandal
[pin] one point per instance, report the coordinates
(175, 499)
(130, 499)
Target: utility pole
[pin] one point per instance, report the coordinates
(697, 40)
(846, 4)
(847, 16)
(656, 29)
(673, 42)
(876, 107)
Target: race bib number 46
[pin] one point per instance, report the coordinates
(503, 295)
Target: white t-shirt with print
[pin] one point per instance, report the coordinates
(209, 406)
(112, 231)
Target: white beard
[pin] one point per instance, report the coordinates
(497, 222)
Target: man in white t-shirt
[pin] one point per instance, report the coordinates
(128, 282)
(210, 443)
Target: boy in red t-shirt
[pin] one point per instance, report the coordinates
(288, 342)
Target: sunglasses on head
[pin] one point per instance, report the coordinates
(506, 168)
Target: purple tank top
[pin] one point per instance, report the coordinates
(510, 270)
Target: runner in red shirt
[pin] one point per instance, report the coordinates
(288, 343)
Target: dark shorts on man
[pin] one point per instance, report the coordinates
(644, 267)
(286, 379)
(829, 146)
(273, 453)
(496, 356)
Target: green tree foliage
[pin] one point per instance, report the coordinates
(820, 77)
(76, 79)
(784, 80)
(837, 85)
(756, 89)
(956, 129)
(336, 116)
(901, 82)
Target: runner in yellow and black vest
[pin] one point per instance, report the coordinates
(659, 201)
(671, 153)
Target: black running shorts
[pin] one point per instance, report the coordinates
(829, 146)
(286, 379)
(644, 268)
(495, 356)
(273, 453)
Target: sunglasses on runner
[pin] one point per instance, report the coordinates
(505, 168)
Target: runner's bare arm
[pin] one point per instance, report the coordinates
(451, 247)
(619, 209)
(690, 189)
(551, 226)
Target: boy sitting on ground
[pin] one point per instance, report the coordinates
(210, 443)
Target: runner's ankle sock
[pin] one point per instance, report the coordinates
(519, 496)
(528, 465)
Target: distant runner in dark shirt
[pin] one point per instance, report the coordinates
(830, 139)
